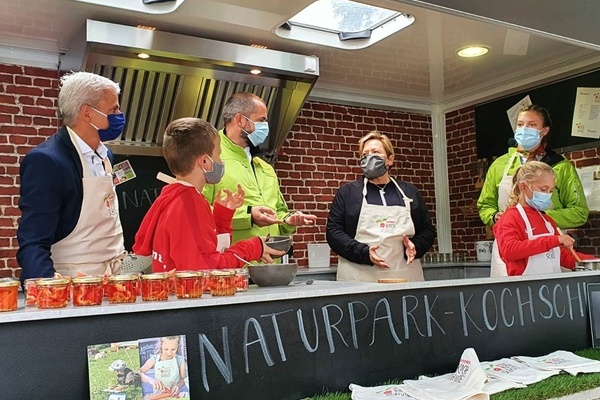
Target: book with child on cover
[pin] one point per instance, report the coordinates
(142, 369)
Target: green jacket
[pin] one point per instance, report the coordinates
(261, 188)
(570, 207)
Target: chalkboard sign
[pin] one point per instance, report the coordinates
(137, 195)
(493, 129)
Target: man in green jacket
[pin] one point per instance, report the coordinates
(265, 210)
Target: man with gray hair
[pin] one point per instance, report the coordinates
(70, 217)
(264, 211)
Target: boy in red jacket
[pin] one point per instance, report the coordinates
(528, 239)
(180, 229)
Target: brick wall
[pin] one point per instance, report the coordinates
(27, 117)
(318, 157)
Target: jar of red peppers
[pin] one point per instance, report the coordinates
(52, 292)
(188, 284)
(122, 288)
(222, 282)
(155, 287)
(9, 289)
(242, 278)
(88, 291)
(30, 292)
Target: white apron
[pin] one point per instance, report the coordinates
(544, 263)
(498, 267)
(167, 372)
(95, 246)
(383, 226)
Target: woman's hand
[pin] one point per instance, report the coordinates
(159, 386)
(269, 252)
(375, 259)
(175, 390)
(409, 248)
(231, 200)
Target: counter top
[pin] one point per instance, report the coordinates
(255, 294)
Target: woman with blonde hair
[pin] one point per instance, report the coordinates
(528, 239)
(379, 226)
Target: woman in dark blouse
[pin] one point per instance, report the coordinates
(379, 226)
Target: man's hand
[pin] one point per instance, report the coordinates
(298, 218)
(375, 259)
(231, 200)
(263, 216)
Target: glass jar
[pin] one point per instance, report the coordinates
(222, 282)
(242, 278)
(30, 292)
(88, 291)
(122, 288)
(52, 292)
(188, 284)
(9, 289)
(155, 287)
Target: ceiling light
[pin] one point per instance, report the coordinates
(258, 46)
(255, 71)
(472, 51)
(143, 55)
(150, 28)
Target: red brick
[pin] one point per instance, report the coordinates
(50, 112)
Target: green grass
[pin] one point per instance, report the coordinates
(555, 386)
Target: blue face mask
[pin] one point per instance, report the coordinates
(527, 138)
(116, 123)
(260, 134)
(541, 201)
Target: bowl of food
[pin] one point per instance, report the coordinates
(281, 243)
(273, 274)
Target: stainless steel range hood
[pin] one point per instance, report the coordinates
(188, 76)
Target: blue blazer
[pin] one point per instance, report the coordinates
(51, 197)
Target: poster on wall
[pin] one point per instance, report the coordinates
(590, 180)
(513, 112)
(143, 369)
(586, 115)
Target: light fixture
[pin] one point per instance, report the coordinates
(143, 55)
(472, 51)
(255, 71)
(258, 46)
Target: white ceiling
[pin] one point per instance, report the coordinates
(412, 69)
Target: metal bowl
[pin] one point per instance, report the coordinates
(588, 265)
(281, 243)
(273, 274)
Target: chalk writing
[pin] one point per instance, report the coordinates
(139, 198)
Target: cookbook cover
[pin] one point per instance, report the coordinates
(113, 370)
(143, 369)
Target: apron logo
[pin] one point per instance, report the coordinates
(109, 202)
(550, 255)
(386, 225)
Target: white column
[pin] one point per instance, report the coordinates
(440, 177)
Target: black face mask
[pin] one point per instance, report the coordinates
(373, 166)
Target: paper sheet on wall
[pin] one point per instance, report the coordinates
(586, 115)
(513, 112)
(590, 179)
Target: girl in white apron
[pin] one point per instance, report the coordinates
(95, 246)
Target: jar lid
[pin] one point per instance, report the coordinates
(8, 282)
(87, 279)
(123, 277)
(224, 272)
(158, 275)
(52, 281)
(187, 274)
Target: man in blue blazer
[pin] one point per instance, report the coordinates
(70, 219)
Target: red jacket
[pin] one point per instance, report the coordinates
(180, 231)
(516, 248)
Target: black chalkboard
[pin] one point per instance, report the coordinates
(137, 195)
(493, 128)
(298, 347)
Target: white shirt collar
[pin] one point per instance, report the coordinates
(101, 150)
